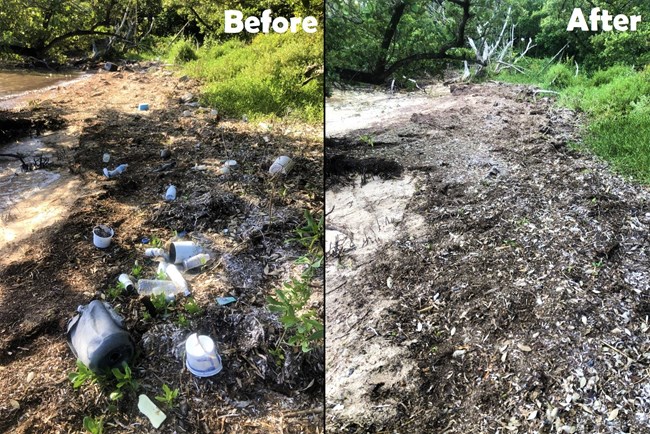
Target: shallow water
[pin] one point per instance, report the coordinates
(14, 82)
(34, 199)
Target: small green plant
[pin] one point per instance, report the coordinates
(311, 234)
(161, 303)
(161, 275)
(278, 355)
(136, 271)
(82, 375)
(94, 426)
(191, 307)
(367, 140)
(182, 320)
(124, 379)
(168, 396)
(156, 242)
(289, 303)
(115, 291)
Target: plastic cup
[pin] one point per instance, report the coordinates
(99, 236)
(182, 250)
(282, 165)
(201, 356)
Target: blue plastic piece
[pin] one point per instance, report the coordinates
(144, 106)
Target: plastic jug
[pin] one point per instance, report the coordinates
(98, 338)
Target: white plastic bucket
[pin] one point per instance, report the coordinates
(201, 357)
(100, 240)
(182, 250)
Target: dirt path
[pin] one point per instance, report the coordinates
(482, 275)
(241, 217)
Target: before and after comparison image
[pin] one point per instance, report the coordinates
(325, 216)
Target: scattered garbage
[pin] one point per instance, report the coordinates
(125, 280)
(165, 153)
(189, 96)
(199, 167)
(171, 193)
(214, 112)
(282, 164)
(231, 163)
(192, 104)
(119, 169)
(145, 240)
(106, 157)
(196, 261)
(98, 339)
(182, 250)
(143, 106)
(222, 301)
(224, 170)
(110, 67)
(155, 287)
(186, 113)
(175, 276)
(149, 409)
(102, 236)
(201, 355)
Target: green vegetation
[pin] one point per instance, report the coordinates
(82, 375)
(168, 396)
(290, 300)
(191, 307)
(94, 426)
(616, 103)
(272, 76)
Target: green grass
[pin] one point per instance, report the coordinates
(262, 79)
(617, 104)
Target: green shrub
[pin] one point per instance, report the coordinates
(264, 78)
(182, 52)
(560, 76)
(608, 75)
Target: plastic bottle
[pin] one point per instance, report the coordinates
(196, 261)
(119, 169)
(153, 252)
(175, 276)
(155, 287)
(126, 281)
(171, 193)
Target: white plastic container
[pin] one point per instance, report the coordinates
(196, 261)
(106, 157)
(126, 281)
(201, 357)
(102, 236)
(231, 163)
(182, 250)
(155, 287)
(282, 165)
(119, 169)
(171, 193)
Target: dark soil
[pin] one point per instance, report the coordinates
(266, 386)
(515, 294)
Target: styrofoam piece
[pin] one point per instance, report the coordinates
(149, 409)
